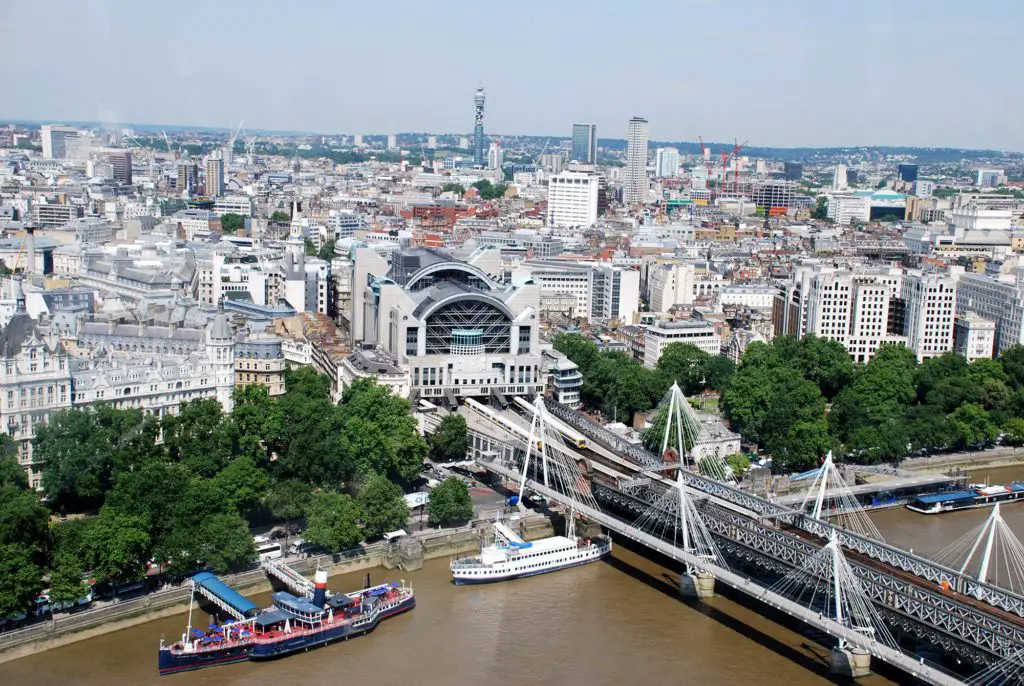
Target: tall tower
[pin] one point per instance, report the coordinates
(584, 143)
(479, 154)
(214, 175)
(636, 162)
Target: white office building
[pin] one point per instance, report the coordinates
(233, 204)
(572, 199)
(636, 187)
(848, 208)
(669, 285)
(998, 300)
(666, 163)
(616, 293)
(54, 140)
(930, 301)
(662, 333)
(974, 337)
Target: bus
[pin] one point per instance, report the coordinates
(268, 550)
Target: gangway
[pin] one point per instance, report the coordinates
(510, 537)
(298, 584)
(223, 596)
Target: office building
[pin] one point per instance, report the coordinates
(357, 140)
(990, 178)
(908, 172)
(432, 142)
(998, 300)
(495, 156)
(572, 199)
(584, 143)
(774, 196)
(47, 215)
(636, 186)
(669, 285)
(478, 128)
(188, 178)
(214, 176)
(930, 302)
(923, 188)
(121, 163)
(839, 181)
(793, 171)
(666, 163)
(663, 333)
(54, 140)
(974, 337)
(392, 142)
(615, 294)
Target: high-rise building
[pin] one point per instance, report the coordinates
(989, 178)
(495, 156)
(974, 337)
(997, 300)
(478, 128)
(121, 162)
(357, 140)
(839, 178)
(794, 171)
(463, 143)
(54, 137)
(635, 189)
(432, 142)
(572, 199)
(188, 178)
(392, 141)
(666, 162)
(908, 172)
(214, 176)
(930, 302)
(584, 143)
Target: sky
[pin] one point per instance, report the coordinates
(774, 72)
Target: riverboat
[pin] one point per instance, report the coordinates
(977, 495)
(510, 557)
(290, 625)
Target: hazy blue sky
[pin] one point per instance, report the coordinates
(777, 72)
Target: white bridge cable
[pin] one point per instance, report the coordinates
(990, 552)
(674, 517)
(555, 465)
(829, 498)
(826, 582)
(1007, 672)
(686, 436)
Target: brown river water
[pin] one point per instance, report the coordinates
(618, 622)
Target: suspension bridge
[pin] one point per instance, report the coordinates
(837, 576)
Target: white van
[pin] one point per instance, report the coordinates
(392, 535)
(269, 551)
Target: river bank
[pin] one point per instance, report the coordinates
(65, 629)
(968, 461)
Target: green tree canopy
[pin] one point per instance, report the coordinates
(279, 216)
(118, 546)
(231, 222)
(450, 502)
(577, 348)
(66, 584)
(397, 448)
(19, 580)
(685, 364)
(456, 188)
(972, 426)
(333, 521)
(326, 251)
(383, 504)
(720, 373)
(820, 210)
(198, 436)
(450, 440)
(226, 543)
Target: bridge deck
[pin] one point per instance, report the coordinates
(889, 655)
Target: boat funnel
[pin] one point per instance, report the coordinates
(320, 588)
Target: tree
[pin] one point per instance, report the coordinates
(685, 364)
(720, 373)
(577, 348)
(489, 191)
(450, 439)
(1012, 360)
(288, 499)
(450, 502)
(226, 543)
(823, 361)
(333, 521)
(310, 247)
(397, 448)
(972, 426)
(326, 252)
(19, 580)
(1013, 431)
(23, 521)
(66, 583)
(821, 208)
(231, 222)
(738, 463)
(383, 504)
(281, 217)
(11, 473)
(456, 188)
(199, 436)
(241, 484)
(118, 546)
(257, 422)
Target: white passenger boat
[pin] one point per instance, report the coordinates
(510, 557)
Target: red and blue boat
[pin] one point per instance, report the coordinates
(290, 625)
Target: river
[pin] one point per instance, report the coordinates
(619, 622)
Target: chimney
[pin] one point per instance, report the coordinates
(320, 588)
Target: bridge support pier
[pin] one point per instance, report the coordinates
(697, 585)
(850, 662)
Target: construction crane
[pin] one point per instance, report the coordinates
(234, 137)
(736, 163)
(167, 140)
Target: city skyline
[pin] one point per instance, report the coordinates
(804, 92)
